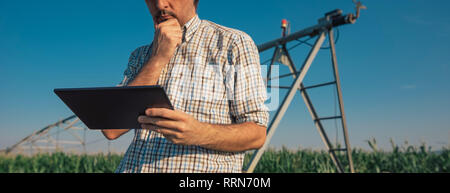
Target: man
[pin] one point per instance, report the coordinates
(212, 77)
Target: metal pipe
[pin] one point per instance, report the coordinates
(310, 106)
(287, 100)
(341, 102)
(310, 31)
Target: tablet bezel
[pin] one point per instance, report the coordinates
(123, 104)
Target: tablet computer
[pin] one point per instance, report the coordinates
(113, 107)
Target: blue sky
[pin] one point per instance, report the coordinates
(394, 62)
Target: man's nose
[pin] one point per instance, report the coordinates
(161, 4)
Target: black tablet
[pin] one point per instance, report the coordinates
(113, 107)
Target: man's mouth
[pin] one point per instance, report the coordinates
(163, 16)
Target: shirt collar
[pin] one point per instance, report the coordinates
(190, 27)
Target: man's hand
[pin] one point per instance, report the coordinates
(183, 129)
(167, 37)
(177, 126)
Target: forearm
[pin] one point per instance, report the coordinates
(234, 137)
(112, 134)
(149, 73)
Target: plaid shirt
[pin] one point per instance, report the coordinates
(215, 76)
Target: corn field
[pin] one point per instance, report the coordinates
(404, 159)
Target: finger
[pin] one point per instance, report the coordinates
(174, 139)
(170, 21)
(164, 131)
(158, 121)
(169, 29)
(161, 122)
(168, 133)
(173, 31)
(150, 127)
(168, 25)
(149, 120)
(169, 124)
(166, 113)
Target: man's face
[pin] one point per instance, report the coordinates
(161, 10)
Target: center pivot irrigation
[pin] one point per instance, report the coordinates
(49, 139)
(324, 28)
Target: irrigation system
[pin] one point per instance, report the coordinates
(48, 138)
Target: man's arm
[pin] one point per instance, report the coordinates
(246, 106)
(147, 76)
(183, 129)
(167, 37)
(235, 137)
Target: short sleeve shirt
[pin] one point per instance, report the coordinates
(215, 76)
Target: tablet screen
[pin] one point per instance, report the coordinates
(113, 107)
